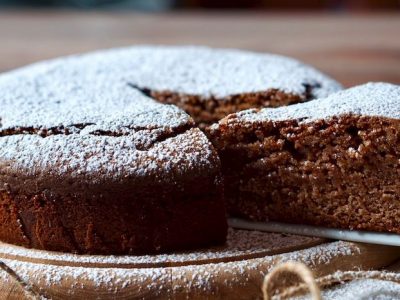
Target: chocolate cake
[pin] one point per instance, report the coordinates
(91, 163)
(333, 162)
(212, 83)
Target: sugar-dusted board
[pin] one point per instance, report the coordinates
(234, 271)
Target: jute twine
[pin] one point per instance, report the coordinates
(29, 290)
(271, 280)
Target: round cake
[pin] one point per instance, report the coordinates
(90, 162)
(332, 162)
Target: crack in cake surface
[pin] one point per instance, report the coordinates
(160, 134)
(207, 110)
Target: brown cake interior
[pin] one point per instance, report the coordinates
(206, 111)
(340, 172)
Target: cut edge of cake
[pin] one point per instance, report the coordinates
(330, 162)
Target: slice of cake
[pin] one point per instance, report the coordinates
(333, 162)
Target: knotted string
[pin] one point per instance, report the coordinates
(299, 269)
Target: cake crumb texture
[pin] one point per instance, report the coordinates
(332, 162)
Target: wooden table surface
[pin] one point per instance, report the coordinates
(352, 48)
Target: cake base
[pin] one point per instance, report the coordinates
(233, 271)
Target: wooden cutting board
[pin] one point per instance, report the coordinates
(234, 271)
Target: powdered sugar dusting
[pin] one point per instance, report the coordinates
(97, 158)
(364, 289)
(224, 72)
(81, 115)
(63, 94)
(206, 279)
(322, 255)
(240, 243)
(371, 99)
(378, 288)
(106, 130)
(97, 87)
(91, 85)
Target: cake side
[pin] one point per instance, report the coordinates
(334, 164)
(63, 206)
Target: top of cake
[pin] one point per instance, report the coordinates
(221, 73)
(92, 87)
(82, 115)
(79, 91)
(79, 116)
(371, 99)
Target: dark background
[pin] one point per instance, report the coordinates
(161, 5)
(354, 41)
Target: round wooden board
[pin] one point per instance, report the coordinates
(233, 271)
